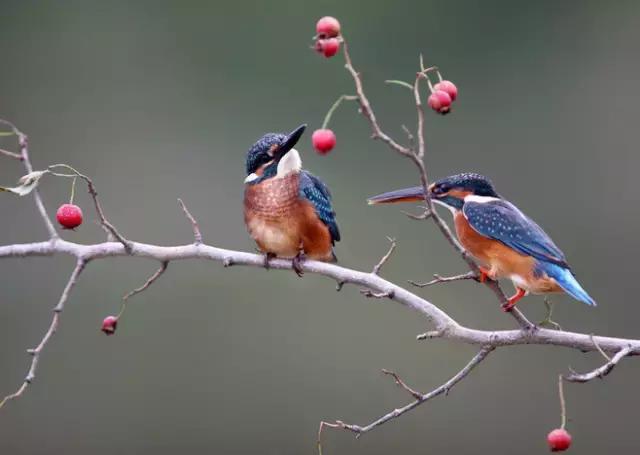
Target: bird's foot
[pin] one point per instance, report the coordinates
(296, 263)
(267, 258)
(485, 275)
(511, 302)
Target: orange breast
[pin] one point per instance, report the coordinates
(501, 260)
(283, 223)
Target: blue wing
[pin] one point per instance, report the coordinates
(502, 221)
(316, 192)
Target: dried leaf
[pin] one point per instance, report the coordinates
(27, 183)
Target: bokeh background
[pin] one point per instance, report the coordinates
(158, 100)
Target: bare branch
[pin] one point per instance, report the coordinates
(445, 279)
(149, 282)
(367, 111)
(57, 311)
(441, 321)
(419, 398)
(23, 143)
(401, 383)
(385, 258)
(194, 224)
(15, 156)
(602, 371)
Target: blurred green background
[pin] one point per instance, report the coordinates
(158, 100)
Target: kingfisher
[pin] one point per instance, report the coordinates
(505, 241)
(287, 210)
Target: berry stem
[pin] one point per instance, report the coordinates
(563, 405)
(330, 112)
(73, 190)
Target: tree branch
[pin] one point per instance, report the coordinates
(57, 311)
(441, 321)
(445, 279)
(419, 398)
(149, 282)
(601, 371)
(194, 224)
(23, 143)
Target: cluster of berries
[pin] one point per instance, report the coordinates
(327, 36)
(443, 94)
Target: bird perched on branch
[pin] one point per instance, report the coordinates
(287, 210)
(507, 243)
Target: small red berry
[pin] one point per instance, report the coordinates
(449, 87)
(328, 27)
(559, 440)
(109, 325)
(440, 101)
(328, 47)
(69, 216)
(323, 140)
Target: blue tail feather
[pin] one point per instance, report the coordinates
(567, 281)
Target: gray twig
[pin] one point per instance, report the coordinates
(57, 311)
(446, 279)
(149, 282)
(194, 224)
(385, 258)
(602, 371)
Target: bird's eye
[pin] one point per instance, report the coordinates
(440, 189)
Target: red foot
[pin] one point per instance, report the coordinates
(508, 306)
(484, 274)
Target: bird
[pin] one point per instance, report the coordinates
(287, 210)
(505, 241)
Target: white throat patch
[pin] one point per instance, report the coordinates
(251, 177)
(480, 199)
(289, 163)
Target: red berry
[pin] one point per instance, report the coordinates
(328, 47)
(449, 87)
(323, 140)
(440, 101)
(559, 440)
(328, 27)
(69, 216)
(109, 325)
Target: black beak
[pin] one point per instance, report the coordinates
(290, 141)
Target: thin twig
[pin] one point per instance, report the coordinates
(385, 258)
(401, 383)
(365, 107)
(23, 143)
(604, 354)
(446, 279)
(443, 389)
(57, 311)
(15, 156)
(601, 371)
(197, 235)
(149, 282)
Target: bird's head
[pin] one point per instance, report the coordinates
(273, 155)
(452, 190)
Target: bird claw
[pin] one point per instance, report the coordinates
(296, 264)
(267, 258)
(485, 275)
